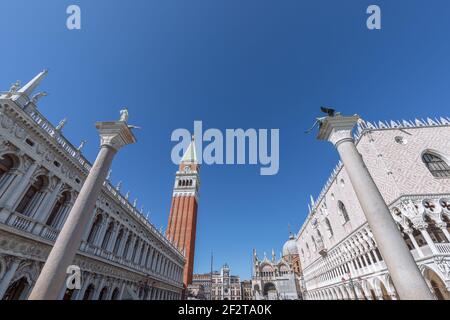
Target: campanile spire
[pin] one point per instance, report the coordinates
(182, 223)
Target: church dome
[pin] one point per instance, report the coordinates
(290, 247)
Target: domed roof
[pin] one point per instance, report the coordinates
(290, 247)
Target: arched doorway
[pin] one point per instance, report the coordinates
(384, 293)
(17, 290)
(89, 293)
(436, 284)
(270, 291)
(103, 294)
(115, 294)
(68, 294)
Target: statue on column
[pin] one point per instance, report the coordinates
(124, 115)
(319, 121)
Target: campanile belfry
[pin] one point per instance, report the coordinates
(182, 223)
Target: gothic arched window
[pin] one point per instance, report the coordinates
(328, 226)
(134, 250)
(314, 243)
(107, 236)
(118, 242)
(127, 247)
(95, 229)
(6, 164)
(54, 216)
(32, 192)
(437, 166)
(343, 212)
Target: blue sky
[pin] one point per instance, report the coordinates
(232, 64)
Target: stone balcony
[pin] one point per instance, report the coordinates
(33, 227)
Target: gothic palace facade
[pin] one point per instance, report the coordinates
(410, 163)
(122, 255)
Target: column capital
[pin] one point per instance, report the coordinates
(115, 134)
(338, 128)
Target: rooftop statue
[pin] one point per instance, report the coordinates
(61, 124)
(124, 115)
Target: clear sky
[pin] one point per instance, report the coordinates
(232, 64)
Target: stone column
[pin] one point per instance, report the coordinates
(409, 232)
(114, 135)
(443, 227)
(423, 230)
(405, 274)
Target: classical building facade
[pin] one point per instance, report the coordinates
(196, 291)
(182, 225)
(221, 285)
(204, 280)
(225, 286)
(122, 255)
(410, 164)
(277, 279)
(246, 290)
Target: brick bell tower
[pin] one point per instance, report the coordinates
(182, 223)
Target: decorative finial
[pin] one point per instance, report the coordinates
(109, 175)
(61, 125)
(135, 202)
(81, 146)
(124, 115)
(127, 195)
(119, 186)
(142, 210)
(148, 215)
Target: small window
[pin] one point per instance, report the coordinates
(400, 140)
(437, 166)
(56, 164)
(29, 142)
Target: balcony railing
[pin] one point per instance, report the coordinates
(21, 222)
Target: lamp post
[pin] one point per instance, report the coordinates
(405, 274)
